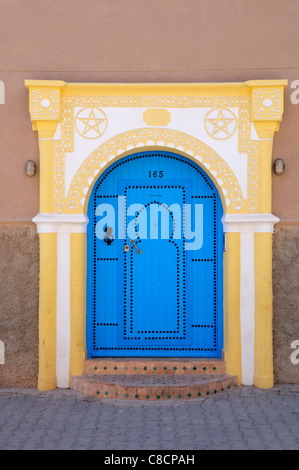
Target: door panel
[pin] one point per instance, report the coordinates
(153, 311)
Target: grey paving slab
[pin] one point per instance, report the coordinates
(241, 418)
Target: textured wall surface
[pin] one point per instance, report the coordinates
(286, 301)
(19, 304)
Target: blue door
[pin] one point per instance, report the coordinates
(154, 260)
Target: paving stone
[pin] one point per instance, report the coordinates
(240, 418)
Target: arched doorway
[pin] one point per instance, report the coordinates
(241, 166)
(154, 260)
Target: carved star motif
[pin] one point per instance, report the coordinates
(92, 125)
(222, 125)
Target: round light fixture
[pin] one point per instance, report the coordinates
(30, 168)
(279, 166)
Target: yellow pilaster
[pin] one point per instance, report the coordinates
(47, 311)
(232, 326)
(48, 273)
(263, 354)
(78, 303)
(265, 176)
(263, 349)
(45, 112)
(266, 113)
(46, 175)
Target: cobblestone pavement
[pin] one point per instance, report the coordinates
(241, 418)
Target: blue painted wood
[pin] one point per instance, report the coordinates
(167, 300)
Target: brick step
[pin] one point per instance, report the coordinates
(152, 386)
(154, 366)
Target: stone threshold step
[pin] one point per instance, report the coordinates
(154, 366)
(152, 386)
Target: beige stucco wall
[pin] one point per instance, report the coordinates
(286, 301)
(19, 304)
(137, 41)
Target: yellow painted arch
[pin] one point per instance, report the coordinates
(154, 139)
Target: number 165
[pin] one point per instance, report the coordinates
(155, 174)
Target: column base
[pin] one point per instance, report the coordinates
(263, 382)
(46, 384)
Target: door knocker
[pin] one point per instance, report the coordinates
(109, 237)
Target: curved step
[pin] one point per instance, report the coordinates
(152, 386)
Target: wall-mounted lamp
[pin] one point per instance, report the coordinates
(279, 166)
(30, 168)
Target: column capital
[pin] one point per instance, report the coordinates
(45, 105)
(267, 105)
(60, 223)
(250, 223)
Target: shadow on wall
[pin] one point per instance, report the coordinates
(2, 352)
(2, 92)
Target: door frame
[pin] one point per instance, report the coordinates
(248, 221)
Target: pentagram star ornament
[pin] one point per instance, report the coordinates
(220, 123)
(91, 123)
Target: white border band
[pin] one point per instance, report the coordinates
(63, 314)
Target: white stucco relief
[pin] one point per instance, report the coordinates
(187, 120)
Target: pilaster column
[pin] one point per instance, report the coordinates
(62, 320)
(249, 297)
(45, 112)
(47, 311)
(266, 114)
(231, 300)
(263, 347)
(78, 303)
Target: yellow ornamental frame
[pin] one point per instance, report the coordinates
(78, 124)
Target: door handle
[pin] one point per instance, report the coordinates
(138, 251)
